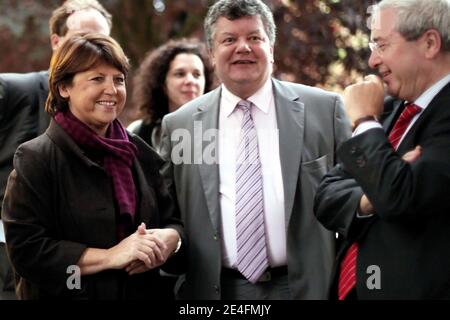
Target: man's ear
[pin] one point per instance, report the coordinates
(55, 41)
(272, 60)
(433, 43)
(211, 57)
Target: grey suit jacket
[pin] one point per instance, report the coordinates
(311, 126)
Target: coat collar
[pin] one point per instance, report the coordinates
(290, 121)
(438, 107)
(66, 143)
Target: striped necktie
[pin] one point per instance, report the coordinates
(252, 258)
(347, 275)
(402, 123)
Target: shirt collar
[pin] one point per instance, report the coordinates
(425, 98)
(261, 98)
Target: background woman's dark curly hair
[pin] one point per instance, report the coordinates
(149, 96)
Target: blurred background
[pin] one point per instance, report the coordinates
(319, 42)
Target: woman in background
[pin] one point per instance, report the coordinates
(170, 76)
(82, 194)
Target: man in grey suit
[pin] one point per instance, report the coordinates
(298, 129)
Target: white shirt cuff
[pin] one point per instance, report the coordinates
(359, 216)
(2, 233)
(366, 125)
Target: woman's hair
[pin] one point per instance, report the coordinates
(148, 84)
(78, 54)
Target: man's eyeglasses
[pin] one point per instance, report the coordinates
(378, 48)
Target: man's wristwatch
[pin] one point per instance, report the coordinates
(363, 119)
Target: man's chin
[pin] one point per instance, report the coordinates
(393, 92)
(243, 79)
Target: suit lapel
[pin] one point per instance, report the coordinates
(208, 117)
(388, 123)
(439, 101)
(290, 120)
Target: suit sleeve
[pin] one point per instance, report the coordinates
(342, 126)
(18, 118)
(338, 194)
(6, 154)
(166, 150)
(3, 92)
(397, 189)
(177, 263)
(336, 202)
(35, 248)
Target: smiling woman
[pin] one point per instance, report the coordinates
(92, 86)
(96, 96)
(83, 194)
(169, 77)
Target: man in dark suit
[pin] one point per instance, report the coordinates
(388, 196)
(211, 142)
(23, 96)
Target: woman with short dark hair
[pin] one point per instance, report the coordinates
(82, 195)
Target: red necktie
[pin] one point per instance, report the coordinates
(402, 123)
(347, 275)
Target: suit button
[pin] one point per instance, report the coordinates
(217, 289)
(361, 161)
(215, 236)
(352, 150)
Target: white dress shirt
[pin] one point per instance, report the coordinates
(264, 117)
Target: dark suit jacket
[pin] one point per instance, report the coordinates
(409, 235)
(22, 115)
(58, 202)
(311, 125)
